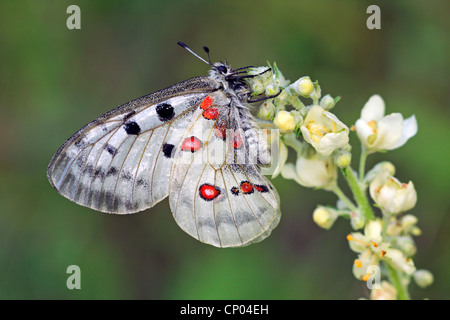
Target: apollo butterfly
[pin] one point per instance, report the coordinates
(195, 141)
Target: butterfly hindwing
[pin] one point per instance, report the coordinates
(217, 193)
(121, 162)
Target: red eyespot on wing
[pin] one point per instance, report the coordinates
(206, 103)
(237, 141)
(191, 144)
(220, 130)
(211, 114)
(208, 192)
(246, 187)
(261, 188)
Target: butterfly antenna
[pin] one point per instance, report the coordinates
(207, 53)
(188, 49)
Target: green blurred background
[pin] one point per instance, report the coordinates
(54, 80)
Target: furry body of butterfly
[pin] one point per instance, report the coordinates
(195, 142)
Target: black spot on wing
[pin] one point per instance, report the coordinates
(131, 127)
(261, 188)
(126, 176)
(80, 143)
(111, 149)
(99, 173)
(235, 191)
(80, 161)
(141, 183)
(111, 172)
(165, 112)
(129, 115)
(111, 202)
(167, 149)
(130, 206)
(88, 169)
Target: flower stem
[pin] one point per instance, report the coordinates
(358, 193)
(344, 198)
(402, 291)
(362, 163)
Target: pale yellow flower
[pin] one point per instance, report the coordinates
(313, 172)
(379, 132)
(285, 121)
(392, 195)
(324, 217)
(324, 131)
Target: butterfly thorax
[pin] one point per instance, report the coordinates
(234, 86)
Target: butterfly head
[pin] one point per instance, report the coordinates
(231, 79)
(222, 68)
(221, 71)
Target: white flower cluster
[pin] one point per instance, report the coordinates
(387, 241)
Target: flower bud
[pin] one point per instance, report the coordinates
(327, 102)
(423, 278)
(415, 231)
(266, 111)
(257, 86)
(357, 221)
(271, 90)
(324, 217)
(263, 75)
(303, 86)
(317, 92)
(343, 159)
(406, 244)
(378, 168)
(373, 230)
(408, 222)
(285, 121)
(277, 77)
(392, 195)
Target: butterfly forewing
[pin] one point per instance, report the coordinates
(121, 162)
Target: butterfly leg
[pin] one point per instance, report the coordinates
(264, 98)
